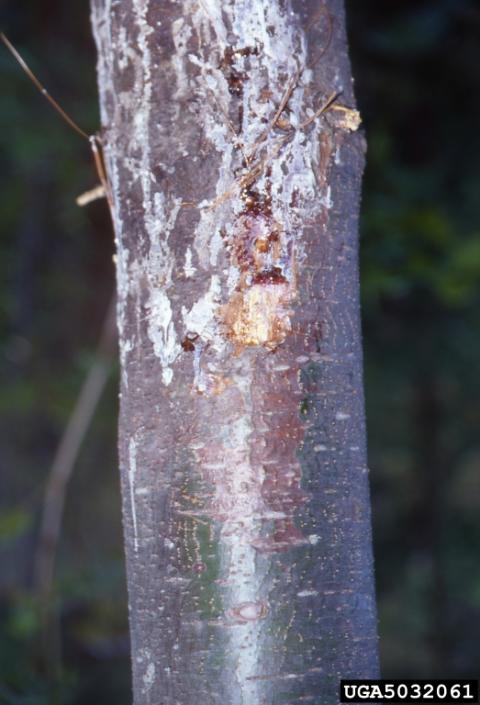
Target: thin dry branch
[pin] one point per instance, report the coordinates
(56, 106)
(66, 456)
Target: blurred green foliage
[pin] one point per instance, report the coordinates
(417, 84)
(57, 279)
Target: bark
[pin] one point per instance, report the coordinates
(242, 440)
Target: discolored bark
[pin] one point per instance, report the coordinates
(235, 170)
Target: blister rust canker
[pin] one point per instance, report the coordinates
(259, 310)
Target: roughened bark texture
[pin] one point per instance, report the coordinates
(242, 440)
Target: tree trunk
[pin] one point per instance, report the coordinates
(242, 440)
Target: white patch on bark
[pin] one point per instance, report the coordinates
(188, 268)
(125, 343)
(200, 319)
(149, 677)
(144, 659)
(132, 471)
(158, 266)
(326, 199)
(161, 332)
(142, 491)
(245, 609)
(144, 101)
(181, 32)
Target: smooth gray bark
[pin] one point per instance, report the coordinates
(242, 439)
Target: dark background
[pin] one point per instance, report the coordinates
(416, 66)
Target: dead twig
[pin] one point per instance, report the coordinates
(281, 107)
(89, 196)
(328, 103)
(95, 141)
